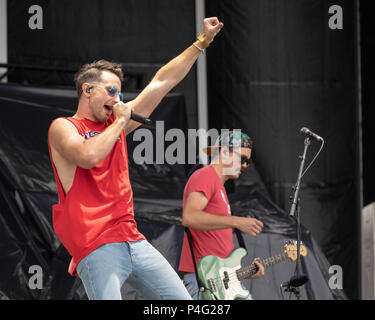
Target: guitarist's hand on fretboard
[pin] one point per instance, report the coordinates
(258, 268)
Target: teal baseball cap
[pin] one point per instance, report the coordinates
(231, 139)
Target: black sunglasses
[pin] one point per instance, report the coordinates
(244, 159)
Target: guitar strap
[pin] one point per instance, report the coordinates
(200, 285)
(240, 240)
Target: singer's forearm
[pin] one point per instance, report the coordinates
(164, 80)
(99, 146)
(75, 149)
(87, 153)
(175, 70)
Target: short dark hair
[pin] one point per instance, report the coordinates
(91, 72)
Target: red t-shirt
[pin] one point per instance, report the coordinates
(98, 208)
(217, 242)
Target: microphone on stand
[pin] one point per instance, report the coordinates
(309, 134)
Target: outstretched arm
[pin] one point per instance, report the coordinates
(171, 74)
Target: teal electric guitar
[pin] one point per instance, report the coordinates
(222, 277)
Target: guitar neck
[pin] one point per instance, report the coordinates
(248, 271)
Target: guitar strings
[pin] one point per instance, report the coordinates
(233, 277)
(234, 274)
(252, 268)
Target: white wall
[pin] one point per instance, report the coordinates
(368, 252)
(201, 83)
(3, 35)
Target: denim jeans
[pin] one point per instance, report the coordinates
(104, 271)
(191, 285)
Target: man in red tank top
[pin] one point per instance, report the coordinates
(206, 209)
(94, 218)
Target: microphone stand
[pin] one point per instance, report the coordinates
(295, 212)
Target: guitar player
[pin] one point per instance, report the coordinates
(206, 209)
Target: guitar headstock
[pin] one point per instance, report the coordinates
(291, 249)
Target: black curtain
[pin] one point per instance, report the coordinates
(142, 34)
(368, 100)
(278, 67)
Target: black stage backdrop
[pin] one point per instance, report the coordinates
(278, 67)
(368, 100)
(275, 68)
(28, 191)
(142, 34)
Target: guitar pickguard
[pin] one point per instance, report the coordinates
(232, 286)
(220, 277)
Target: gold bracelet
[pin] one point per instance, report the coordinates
(201, 50)
(203, 41)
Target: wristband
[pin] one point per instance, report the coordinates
(201, 50)
(203, 41)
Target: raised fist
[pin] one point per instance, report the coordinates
(211, 27)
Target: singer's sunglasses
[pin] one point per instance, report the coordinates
(110, 89)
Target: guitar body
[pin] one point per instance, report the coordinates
(222, 277)
(219, 275)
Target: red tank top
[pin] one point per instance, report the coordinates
(98, 208)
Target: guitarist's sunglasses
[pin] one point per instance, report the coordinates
(244, 159)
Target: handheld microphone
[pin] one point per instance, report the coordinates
(140, 119)
(295, 281)
(309, 134)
